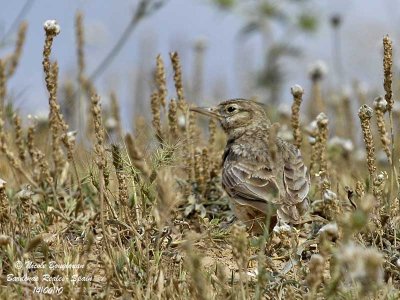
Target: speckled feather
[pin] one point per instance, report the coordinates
(252, 177)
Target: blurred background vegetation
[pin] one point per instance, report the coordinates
(228, 48)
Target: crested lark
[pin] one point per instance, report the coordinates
(262, 174)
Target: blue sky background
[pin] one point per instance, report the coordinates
(175, 27)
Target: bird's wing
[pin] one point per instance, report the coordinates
(249, 183)
(295, 177)
(296, 181)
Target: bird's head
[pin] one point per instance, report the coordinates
(236, 115)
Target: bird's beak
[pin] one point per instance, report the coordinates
(207, 111)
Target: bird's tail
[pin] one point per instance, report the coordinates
(293, 213)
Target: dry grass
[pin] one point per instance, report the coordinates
(148, 219)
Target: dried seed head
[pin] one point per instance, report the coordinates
(79, 45)
(336, 20)
(121, 176)
(321, 144)
(4, 240)
(176, 64)
(380, 104)
(161, 81)
(344, 144)
(378, 185)
(51, 27)
(362, 265)
(329, 195)
(387, 71)
(360, 189)
(136, 155)
(173, 119)
(297, 90)
(330, 231)
(312, 128)
(155, 111)
(365, 112)
(322, 119)
(318, 70)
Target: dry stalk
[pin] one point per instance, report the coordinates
(51, 77)
(44, 169)
(167, 197)
(212, 131)
(312, 131)
(161, 81)
(13, 161)
(387, 72)
(80, 43)
(189, 145)
(3, 201)
(19, 140)
(136, 156)
(85, 83)
(58, 126)
(297, 92)
(206, 169)
(378, 185)
(365, 115)
(199, 172)
(315, 276)
(54, 121)
(239, 243)
(173, 119)
(40, 167)
(3, 88)
(99, 148)
(31, 143)
(387, 85)
(360, 189)
(115, 111)
(15, 57)
(70, 103)
(380, 106)
(198, 69)
(176, 64)
(317, 104)
(215, 168)
(121, 176)
(322, 138)
(52, 29)
(155, 111)
(348, 128)
(198, 285)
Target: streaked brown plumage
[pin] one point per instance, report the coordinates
(262, 173)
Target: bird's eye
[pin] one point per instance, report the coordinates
(231, 109)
